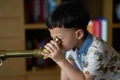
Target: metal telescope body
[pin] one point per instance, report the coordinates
(25, 53)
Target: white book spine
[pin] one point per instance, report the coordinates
(104, 33)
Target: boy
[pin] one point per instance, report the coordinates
(86, 57)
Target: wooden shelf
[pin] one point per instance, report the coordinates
(116, 25)
(44, 74)
(54, 69)
(36, 26)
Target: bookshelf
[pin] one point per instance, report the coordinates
(36, 11)
(109, 11)
(35, 39)
(37, 35)
(13, 37)
(35, 14)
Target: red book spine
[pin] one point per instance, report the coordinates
(30, 11)
(41, 11)
(97, 28)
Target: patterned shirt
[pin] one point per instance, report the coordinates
(97, 57)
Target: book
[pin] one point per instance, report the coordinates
(36, 11)
(99, 28)
(90, 27)
(41, 10)
(52, 5)
(46, 9)
(104, 33)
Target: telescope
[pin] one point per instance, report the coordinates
(25, 53)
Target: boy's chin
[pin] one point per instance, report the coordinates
(66, 50)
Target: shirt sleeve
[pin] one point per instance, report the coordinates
(96, 61)
(95, 66)
(69, 55)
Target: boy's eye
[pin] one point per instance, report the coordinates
(60, 37)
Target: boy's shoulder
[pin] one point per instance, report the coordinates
(101, 45)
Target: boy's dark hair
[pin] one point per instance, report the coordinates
(69, 15)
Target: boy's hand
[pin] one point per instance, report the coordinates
(55, 51)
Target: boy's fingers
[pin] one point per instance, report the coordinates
(55, 45)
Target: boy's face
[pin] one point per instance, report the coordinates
(69, 37)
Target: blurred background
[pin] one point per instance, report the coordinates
(22, 27)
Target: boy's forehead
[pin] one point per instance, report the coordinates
(55, 32)
(59, 30)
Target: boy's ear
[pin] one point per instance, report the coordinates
(79, 33)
